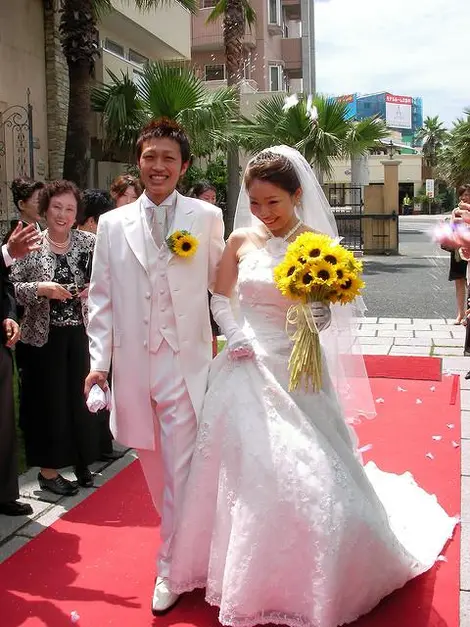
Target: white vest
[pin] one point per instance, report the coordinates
(162, 323)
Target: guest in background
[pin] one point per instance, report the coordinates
(21, 242)
(125, 189)
(50, 284)
(206, 191)
(458, 265)
(95, 203)
(25, 194)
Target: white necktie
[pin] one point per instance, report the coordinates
(154, 225)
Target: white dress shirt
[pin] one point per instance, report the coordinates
(6, 257)
(160, 217)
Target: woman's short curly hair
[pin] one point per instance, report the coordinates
(57, 188)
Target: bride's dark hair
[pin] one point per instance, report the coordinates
(272, 168)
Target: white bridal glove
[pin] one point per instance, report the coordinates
(98, 399)
(238, 344)
(321, 315)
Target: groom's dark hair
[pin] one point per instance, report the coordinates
(164, 127)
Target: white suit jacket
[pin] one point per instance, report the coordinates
(120, 301)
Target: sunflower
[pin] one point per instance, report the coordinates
(342, 272)
(183, 244)
(323, 273)
(350, 289)
(309, 245)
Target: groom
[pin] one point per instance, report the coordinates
(148, 312)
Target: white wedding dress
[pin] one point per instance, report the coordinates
(282, 524)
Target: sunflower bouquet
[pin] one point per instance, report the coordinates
(316, 268)
(182, 243)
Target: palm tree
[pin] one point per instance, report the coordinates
(433, 135)
(453, 159)
(79, 38)
(237, 15)
(164, 90)
(319, 128)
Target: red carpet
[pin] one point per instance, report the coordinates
(402, 367)
(98, 560)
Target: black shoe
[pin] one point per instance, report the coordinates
(84, 477)
(15, 508)
(58, 485)
(467, 376)
(110, 457)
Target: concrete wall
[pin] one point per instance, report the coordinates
(22, 67)
(409, 170)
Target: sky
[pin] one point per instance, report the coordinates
(405, 47)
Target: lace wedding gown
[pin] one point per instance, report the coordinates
(282, 523)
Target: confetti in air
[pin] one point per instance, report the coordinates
(419, 401)
(450, 426)
(74, 616)
(429, 455)
(438, 438)
(290, 101)
(365, 448)
(455, 444)
(433, 388)
(379, 400)
(401, 389)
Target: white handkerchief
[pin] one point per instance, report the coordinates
(98, 399)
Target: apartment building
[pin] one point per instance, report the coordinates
(34, 77)
(279, 48)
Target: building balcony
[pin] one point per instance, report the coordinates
(291, 51)
(247, 86)
(117, 65)
(209, 36)
(152, 33)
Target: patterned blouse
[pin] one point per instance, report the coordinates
(44, 265)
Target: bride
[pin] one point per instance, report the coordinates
(282, 523)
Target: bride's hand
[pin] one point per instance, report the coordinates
(240, 347)
(321, 315)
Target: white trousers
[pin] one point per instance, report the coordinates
(166, 468)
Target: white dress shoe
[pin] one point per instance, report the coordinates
(163, 598)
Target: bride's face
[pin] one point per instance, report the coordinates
(271, 204)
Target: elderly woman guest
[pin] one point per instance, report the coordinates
(125, 189)
(50, 284)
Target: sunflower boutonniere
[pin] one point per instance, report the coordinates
(182, 243)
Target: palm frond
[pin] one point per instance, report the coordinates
(222, 6)
(169, 90)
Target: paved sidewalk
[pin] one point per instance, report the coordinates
(379, 336)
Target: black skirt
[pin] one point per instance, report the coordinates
(458, 269)
(58, 429)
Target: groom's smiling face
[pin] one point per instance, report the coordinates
(161, 167)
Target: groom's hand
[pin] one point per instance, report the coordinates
(96, 377)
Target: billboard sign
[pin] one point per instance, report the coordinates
(398, 111)
(350, 101)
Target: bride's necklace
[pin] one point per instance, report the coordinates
(59, 245)
(285, 237)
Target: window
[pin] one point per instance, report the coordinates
(275, 78)
(112, 46)
(207, 4)
(274, 12)
(214, 72)
(137, 77)
(136, 57)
